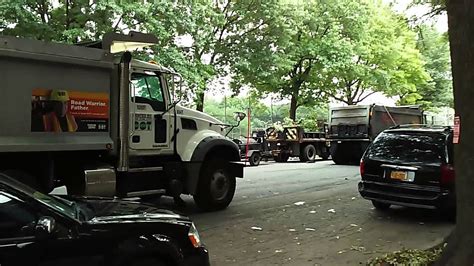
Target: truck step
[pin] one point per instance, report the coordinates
(145, 169)
(145, 193)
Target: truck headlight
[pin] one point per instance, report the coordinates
(194, 236)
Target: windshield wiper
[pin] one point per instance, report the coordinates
(71, 204)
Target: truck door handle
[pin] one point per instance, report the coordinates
(136, 139)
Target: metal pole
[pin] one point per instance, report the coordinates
(124, 111)
(271, 108)
(225, 109)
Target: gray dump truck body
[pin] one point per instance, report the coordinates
(352, 128)
(29, 67)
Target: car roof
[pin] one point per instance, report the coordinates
(441, 130)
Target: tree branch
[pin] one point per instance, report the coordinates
(118, 22)
(365, 97)
(337, 98)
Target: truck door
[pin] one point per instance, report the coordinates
(150, 123)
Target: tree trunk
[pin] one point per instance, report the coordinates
(293, 107)
(461, 37)
(200, 101)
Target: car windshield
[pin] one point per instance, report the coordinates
(59, 204)
(412, 147)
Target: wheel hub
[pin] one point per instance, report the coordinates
(219, 185)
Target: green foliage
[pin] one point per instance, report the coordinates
(408, 257)
(380, 56)
(217, 30)
(434, 47)
(292, 51)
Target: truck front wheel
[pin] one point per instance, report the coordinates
(216, 187)
(254, 159)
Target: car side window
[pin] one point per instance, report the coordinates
(16, 218)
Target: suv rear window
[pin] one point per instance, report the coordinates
(413, 147)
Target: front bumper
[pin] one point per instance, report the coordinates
(409, 195)
(199, 257)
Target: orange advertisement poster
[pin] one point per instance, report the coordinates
(69, 111)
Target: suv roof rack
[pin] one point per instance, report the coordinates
(420, 126)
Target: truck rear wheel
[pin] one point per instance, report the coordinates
(309, 153)
(324, 155)
(281, 158)
(339, 155)
(216, 187)
(255, 158)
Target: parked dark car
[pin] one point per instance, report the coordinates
(410, 166)
(38, 229)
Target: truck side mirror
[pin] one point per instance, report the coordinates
(239, 116)
(45, 227)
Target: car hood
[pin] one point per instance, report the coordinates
(106, 211)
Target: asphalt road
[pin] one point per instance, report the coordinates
(309, 214)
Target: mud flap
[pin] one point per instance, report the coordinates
(236, 169)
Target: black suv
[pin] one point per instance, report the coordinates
(410, 166)
(38, 229)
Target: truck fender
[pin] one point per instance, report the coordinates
(208, 146)
(250, 152)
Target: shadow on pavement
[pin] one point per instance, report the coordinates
(413, 215)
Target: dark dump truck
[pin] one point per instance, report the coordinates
(293, 141)
(353, 128)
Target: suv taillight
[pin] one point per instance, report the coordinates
(362, 168)
(447, 174)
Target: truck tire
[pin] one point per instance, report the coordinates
(309, 153)
(324, 155)
(281, 158)
(24, 178)
(255, 158)
(338, 155)
(216, 187)
(339, 159)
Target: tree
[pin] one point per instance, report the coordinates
(461, 37)
(381, 57)
(303, 41)
(434, 48)
(217, 30)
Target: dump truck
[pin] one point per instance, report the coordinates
(353, 128)
(293, 141)
(93, 118)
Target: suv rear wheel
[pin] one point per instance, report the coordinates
(380, 205)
